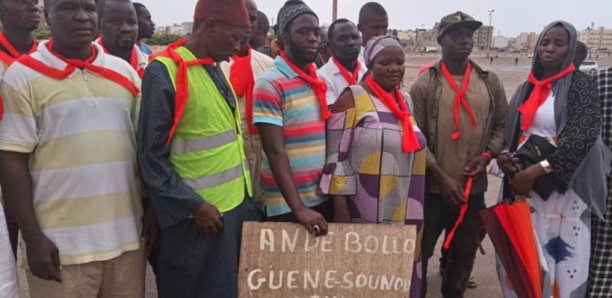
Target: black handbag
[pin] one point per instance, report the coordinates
(533, 151)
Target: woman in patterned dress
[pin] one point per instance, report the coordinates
(560, 104)
(376, 163)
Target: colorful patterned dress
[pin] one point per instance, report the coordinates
(365, 162)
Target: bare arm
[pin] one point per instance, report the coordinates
(42, 254)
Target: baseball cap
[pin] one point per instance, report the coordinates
(457, 20)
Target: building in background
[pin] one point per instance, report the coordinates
(187, 27)
(597, 39)
(500, 42)
(483, 38)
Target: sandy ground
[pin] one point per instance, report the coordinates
(484, 269)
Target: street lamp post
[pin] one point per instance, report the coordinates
(491, 11)
(335, 10)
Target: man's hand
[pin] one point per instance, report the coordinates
(450, 190)
(476, 167)
(150, 230)
(507, 163)
(208, 219)
(312, 220)
(43, 258)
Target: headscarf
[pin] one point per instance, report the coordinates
(589, 179)
(376, 44)
(291, 10)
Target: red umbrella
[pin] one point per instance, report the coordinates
(510, 228)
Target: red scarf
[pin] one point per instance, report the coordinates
(539, 95)
(133, 58)
(182, 81)
(318, 86)
(242, 80)
(72, 64)
(460, 98)
(350, 79)
(13, 54)
(410, 143)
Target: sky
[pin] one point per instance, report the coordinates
(509, 18)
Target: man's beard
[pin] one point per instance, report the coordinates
(299, 54)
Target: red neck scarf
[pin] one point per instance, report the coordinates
(460, 98)
(133, 58)
(182, 81)
(71, 66)
(13, 54)
(539, 95)
(350, 79)
(242, 80)
(410, 143)
(318, 86)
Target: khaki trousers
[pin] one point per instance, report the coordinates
(123, 276)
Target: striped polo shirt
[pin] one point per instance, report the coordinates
(80, 134)
(281, 98)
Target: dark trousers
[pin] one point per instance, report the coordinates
(440, 216)
(326, 209)
(191, 264)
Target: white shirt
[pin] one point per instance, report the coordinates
(8, 275)
(543, 123)
(336, 83)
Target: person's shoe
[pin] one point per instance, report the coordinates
(471, 283)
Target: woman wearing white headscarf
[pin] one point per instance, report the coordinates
(560, 105)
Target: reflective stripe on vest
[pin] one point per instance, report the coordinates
(179, 146)
(207, 149)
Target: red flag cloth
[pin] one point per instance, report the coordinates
(460, 98)
(182, 81)
(410, 143)
(538, 96)
(72, 64)
(133, 58)
(243, 81)
(462, 211)
(13, 54)
(318, 86)
(351, 79)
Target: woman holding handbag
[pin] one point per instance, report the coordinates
(556, 160)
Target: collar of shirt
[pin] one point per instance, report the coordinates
(284, 68)
(53, 61)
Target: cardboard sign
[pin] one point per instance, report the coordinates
(353, 260)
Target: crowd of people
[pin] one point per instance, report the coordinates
(112, 156)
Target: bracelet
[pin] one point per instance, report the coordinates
(546, 166)
(488, 155)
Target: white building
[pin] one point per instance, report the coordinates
(597, 38)
(187, 27)
(500, 42)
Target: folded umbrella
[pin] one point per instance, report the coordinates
(510, 229)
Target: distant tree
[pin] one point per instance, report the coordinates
(164, 40)
(394, 32)
(42, 33)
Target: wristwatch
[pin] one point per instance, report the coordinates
(546, 166)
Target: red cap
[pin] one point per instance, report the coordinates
(230, 12)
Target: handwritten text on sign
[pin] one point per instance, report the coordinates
(357, 260)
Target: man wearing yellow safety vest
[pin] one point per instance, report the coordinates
(192, 159)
